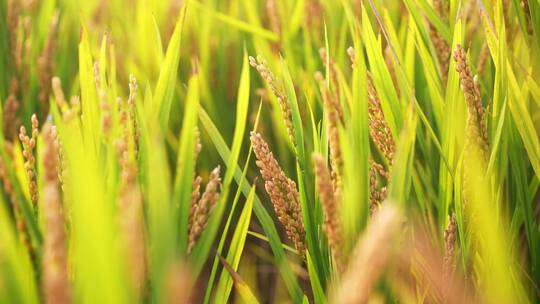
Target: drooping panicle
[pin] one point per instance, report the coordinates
(441, 46)
(476, 125)
(378, 126)
(282, 191)
(277, 89)
(201, 213)
(29, 145)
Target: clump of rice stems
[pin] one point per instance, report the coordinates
(330, 201)
(45, 66)
(476, 124)
(449, 245)
(332, 122)
(332, 66)
(441, 46)
(202, 210)
(273, 16)
(29, 144)
(282, 191)
(130, 205)
(370, 257)
(56, 285)
(277, 89)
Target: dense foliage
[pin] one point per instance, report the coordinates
(217, 151)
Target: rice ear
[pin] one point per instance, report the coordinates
(282, 191)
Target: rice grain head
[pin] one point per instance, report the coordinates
(476, 123)
(204, 208)
(29, 145)
(378, 126)
(277, 89)
(282, 191)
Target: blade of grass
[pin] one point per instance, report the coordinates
(184, 165)
(163, 94)
(242, 107)
(236, 247)
(243, 290)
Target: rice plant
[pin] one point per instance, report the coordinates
(270, 151)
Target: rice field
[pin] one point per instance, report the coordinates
(270, 151)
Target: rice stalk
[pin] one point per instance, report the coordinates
(130, 206)
(330, 200)
(56, 284)
(331, 110)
